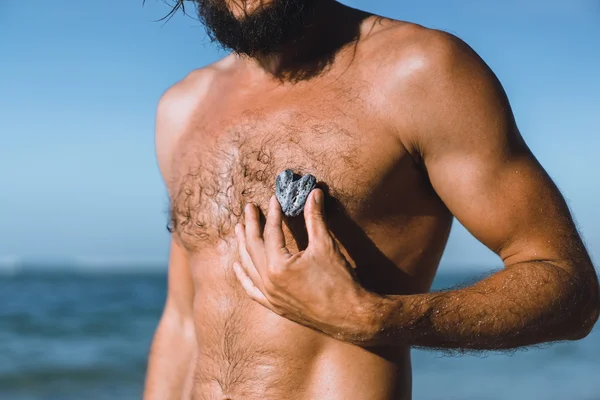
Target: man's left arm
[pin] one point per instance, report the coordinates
(454, 118)
(481, 168)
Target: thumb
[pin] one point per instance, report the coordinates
(314, 215)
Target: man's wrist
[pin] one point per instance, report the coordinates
(372, 314)
(390, 320)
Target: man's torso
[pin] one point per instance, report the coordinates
(379, 206)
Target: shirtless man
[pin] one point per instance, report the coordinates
(404, 128)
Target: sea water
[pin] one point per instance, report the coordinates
(75, 335)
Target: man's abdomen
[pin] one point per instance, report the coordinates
(248, 352)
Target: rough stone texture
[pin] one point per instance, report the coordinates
(292, 191)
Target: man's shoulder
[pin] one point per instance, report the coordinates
(428, 75)
(180, 102)
(414, 63)
(178, 105)
(415, 53)
(185, 95)
(432, 62)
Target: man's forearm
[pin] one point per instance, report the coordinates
(518, 306)
(170, 359)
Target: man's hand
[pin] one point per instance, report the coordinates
(315, 287)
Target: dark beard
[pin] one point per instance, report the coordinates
(264, 31)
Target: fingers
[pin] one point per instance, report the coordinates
(251, 289)
(247, 261)
(252, 238)
(314, 215)
(273, 235)
(253, 229)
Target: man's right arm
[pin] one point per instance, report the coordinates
(172, 352)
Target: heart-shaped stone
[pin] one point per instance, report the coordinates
(292, 191)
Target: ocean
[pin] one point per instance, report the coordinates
(74, 335)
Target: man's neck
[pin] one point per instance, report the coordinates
(333, 26)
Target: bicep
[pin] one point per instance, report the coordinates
(483, 171)
(503, 196)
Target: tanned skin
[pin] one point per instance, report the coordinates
(404, 129)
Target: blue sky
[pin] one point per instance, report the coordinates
(79, 83)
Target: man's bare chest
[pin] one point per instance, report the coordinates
(225, 161)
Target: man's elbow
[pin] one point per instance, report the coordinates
(585, 314)
(582, 329)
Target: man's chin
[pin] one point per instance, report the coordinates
(264, 29)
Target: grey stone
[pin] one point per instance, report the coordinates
(292, 191)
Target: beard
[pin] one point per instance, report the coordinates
(262, 32)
